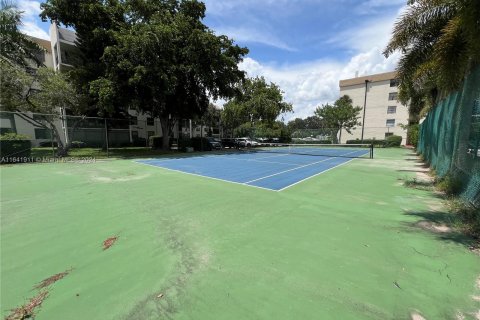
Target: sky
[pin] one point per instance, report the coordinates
(304, 46)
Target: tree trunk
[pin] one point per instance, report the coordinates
(334, 135)
(62, 150)
(340, 135)
(166, 128)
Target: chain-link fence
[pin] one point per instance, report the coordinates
(49, 134)
(376, 135)
(450, 138)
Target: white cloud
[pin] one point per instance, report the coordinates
(374, 6)
(249, 35)
(31, 10)
(32, 29)
(363, 37)
(309, 85)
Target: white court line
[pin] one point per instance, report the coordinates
(336, 166)
(306, 165)
(202, 176)
(273, 162)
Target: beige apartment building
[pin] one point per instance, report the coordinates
(377, 95)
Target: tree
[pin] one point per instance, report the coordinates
(15, 47)
(42, 91)
(296, 124)
(341, 115)
(259, 102)
(439, 44)
(159, 58)
(313, 122)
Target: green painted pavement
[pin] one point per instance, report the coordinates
(342, 245)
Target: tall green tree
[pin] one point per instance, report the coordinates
(259, 102)
(94, 22)
(341, 115)
(296, 124)
(159, 58)
(439, 42)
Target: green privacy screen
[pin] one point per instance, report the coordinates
(450, 137)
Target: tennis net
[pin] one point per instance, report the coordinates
(328, 150)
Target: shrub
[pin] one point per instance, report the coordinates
(15, 148)
(413, 134)
(201, 144)
(450, 184)
(184, 143)
(393, 141)
(375, 142)
(139, 142)
(155, 142)
(12, 136)
(312, 141)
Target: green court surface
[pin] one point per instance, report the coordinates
(345, 244)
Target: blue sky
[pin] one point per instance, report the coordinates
(304, 46)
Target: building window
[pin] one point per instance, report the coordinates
(133, 121)
(392, 109)
(42, 133)
(390, 123)
(393, 82)
(150, 133)
(150, 122)
(134, 135)
(388, 134)
(392, 96)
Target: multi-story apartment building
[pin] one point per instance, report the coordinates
(65, 52)
(382, 114)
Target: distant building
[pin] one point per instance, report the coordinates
(383, 112)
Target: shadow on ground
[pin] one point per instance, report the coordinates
(439, 223)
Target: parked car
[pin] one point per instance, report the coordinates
(229, 143)
(246, 143)
(214, 143)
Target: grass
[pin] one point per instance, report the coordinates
(419, 184)
(467, 217)
(462, 215)
(342, 245)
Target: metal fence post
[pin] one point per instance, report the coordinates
(106, 135)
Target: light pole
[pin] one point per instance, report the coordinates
(364, 107)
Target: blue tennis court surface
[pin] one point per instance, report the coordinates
(273, 171)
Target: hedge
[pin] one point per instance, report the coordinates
(394, 141)
(15, 148)
(200, 144)
(375, 142)
(312, 141)
(155, 142)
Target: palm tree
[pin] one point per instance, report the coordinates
(439, 41)
(15, 47)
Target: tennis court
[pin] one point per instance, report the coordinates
(271, 167)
